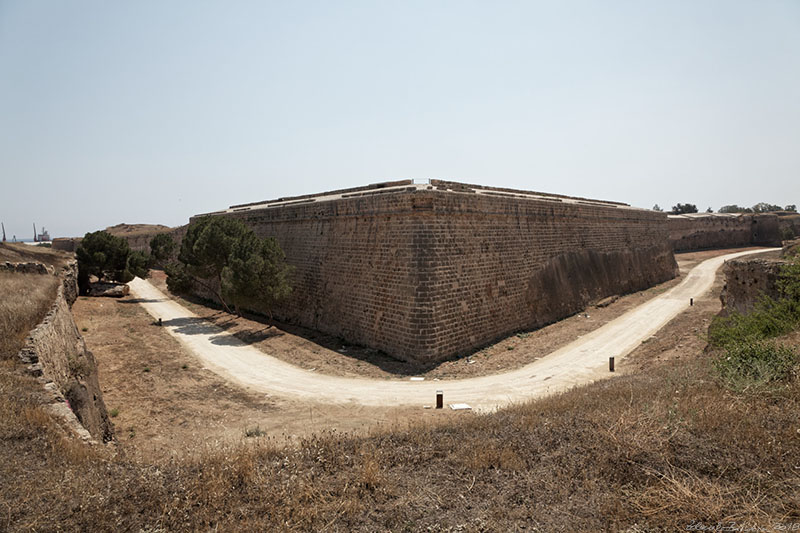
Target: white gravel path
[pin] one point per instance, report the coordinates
(580, 362)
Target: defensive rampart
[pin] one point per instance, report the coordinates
(57, 354)
(428, 272)
(699, 231)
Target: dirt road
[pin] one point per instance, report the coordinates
(580, 362)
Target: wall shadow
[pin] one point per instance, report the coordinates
(275, 328)
(212, 325)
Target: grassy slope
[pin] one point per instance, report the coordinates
(661, 449)
(20, 253)
(24, 300)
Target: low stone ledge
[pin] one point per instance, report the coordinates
(31, 267)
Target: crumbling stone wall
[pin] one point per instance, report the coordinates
(66, 244)
(789, 226)
(56, 352)
(747, 280)
(428, 273)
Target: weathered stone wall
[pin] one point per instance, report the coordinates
(747, 280)
(501, 265)
(67, 244)
(789, 226)
(704, 231)
(56, 351)
(426, 274)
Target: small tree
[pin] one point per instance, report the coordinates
(162, 248)
(108, 257)
(657, 208)
(709, 210)
(258, 276)
(226, 258)
(683, 208)
(791, 208)
(137, 265)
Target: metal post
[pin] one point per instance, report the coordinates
(691, 301)
(159, 322)
(439, 399)
(611, 364)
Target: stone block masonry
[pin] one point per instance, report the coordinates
(426, 272)
(56, 353)
(699, 231)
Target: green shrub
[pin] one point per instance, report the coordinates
(769, 318)
(789, 280)
(755, 364)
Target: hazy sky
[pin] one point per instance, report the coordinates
(150, 112)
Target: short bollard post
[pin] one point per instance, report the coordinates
(439, 399)
(611, 364)
(691, 302)
(159, 322)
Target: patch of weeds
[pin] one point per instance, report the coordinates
(255, 431)
(114, 413)
(523, 335)
(146, 369)
(755, 364)
(84, 329)
(77, 366)
(184, 366)
(509, 348)
(769, 318)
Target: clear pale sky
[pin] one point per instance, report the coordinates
(152, 111)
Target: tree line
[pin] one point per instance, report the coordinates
(219, 255)
(761, 207)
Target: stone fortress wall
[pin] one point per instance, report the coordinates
(430, 271)
(698, 231)
(426, 272)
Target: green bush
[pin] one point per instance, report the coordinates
(789, 281)
(755, 364)
(769, 318)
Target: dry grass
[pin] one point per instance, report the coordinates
(657, 451)
(24, 301)
(20, 253)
